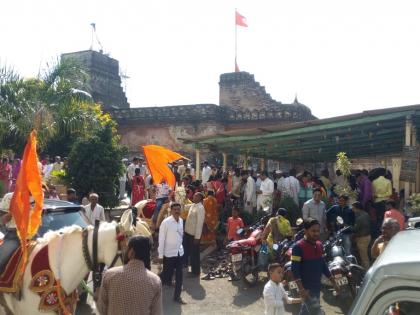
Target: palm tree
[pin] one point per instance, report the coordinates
(56, 105)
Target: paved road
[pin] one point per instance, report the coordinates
(219, 296)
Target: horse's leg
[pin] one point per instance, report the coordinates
(4, 309)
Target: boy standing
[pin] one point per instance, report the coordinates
(274, 294)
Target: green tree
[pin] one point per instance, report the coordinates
(95, 164)
(56, 105)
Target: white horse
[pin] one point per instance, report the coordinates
(67, 261)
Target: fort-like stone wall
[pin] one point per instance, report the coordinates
(244, 103)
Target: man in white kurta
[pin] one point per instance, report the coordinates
(205, 173)
(265, 193)
(94, 211)
(291, 186)
(250, 197)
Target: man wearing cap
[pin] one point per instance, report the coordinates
(94, 211)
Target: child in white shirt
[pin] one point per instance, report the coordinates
(274, 294)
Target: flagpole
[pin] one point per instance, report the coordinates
(236, 40)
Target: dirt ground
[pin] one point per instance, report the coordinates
(219, 296)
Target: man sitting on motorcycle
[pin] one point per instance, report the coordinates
(277, 228)
(341, 209)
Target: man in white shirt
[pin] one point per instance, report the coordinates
(315, 208)
(123, 179)
(58, 165)
(131, 169)
(192, 235)
(250, 197)
(205, 174)
(47, 169)
(143, 168)
(94, 211)
(290, 186)
(182, 168)
(170, 250)
(162, 193)
(265, 193)
(236, 184)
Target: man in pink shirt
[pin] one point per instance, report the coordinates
(393, 213)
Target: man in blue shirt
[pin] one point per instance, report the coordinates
(308, 264)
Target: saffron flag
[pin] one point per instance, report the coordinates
(240, 20)
(28, 184)
(157, 159)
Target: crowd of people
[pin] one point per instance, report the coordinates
(223, 200)
(226, 200)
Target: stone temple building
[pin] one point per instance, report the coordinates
(243, 104)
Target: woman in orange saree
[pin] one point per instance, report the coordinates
(211, 219)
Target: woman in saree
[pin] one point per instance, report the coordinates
(218, 188)
(5, 175)
(211, 219)
(138, 185)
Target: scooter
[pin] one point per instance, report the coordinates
(243, 254)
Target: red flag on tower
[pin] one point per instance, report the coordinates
(240, 20)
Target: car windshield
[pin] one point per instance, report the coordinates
(56, 220)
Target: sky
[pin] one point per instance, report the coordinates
(338, 57)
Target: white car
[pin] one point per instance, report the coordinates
(414, 223)
(392, 284)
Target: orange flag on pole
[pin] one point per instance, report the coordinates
(157, 159)
(28, 184)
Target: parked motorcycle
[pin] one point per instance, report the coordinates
(348, 274)
(289, 283)
(243, 253)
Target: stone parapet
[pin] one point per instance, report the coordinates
(211, 112)
(182, 113)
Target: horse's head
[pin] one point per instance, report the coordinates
(113, 238)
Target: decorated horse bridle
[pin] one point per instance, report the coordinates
(92, 262)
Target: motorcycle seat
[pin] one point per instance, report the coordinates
(248, 242)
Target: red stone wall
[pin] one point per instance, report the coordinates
(136, 135)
